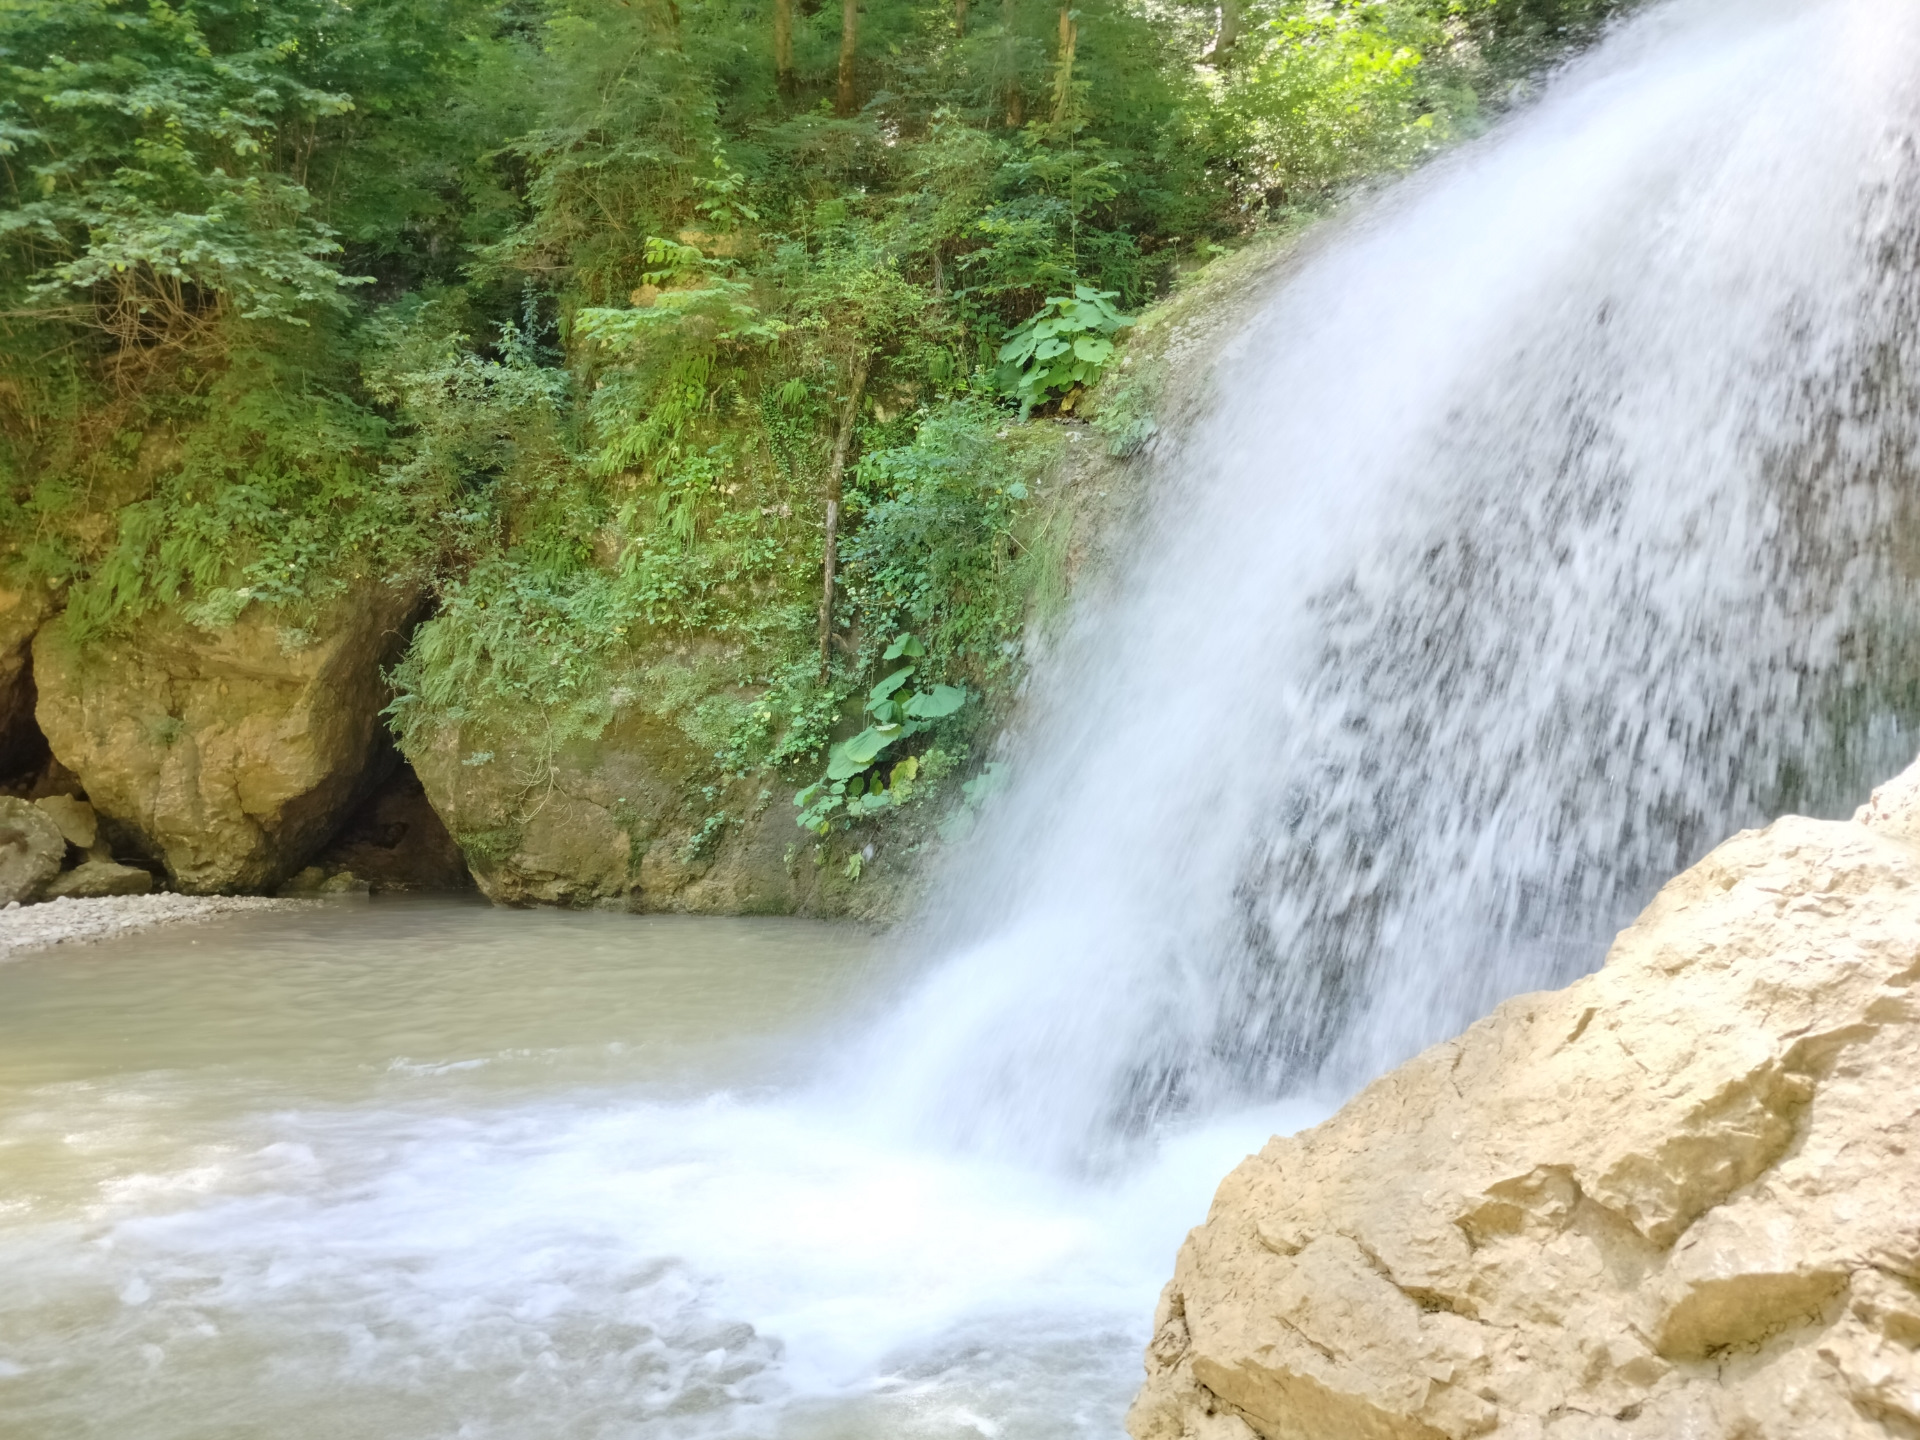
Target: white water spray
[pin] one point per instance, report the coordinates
(1548, 529)
(1552, 523)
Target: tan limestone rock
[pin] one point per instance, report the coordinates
(74, 817)
(230, 754)
(1680, 1197)
(618, 821)
(31, 850)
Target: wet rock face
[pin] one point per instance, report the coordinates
(1679, 1197)
(228, 755)
(616, 821)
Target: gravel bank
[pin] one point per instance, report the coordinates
(36, 927)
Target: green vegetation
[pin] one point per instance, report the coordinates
(607, 324)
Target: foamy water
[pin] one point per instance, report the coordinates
(1555, 522)
(414, 1170)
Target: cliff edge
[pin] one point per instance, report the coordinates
(1679, 1197)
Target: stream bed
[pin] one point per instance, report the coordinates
(417, 1169)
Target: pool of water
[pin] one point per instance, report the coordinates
(417, 1169)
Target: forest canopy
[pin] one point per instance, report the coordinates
(608, 323)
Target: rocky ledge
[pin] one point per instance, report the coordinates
(1680, 1197)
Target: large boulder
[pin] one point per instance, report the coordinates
(618, 820)
(76, 820)
(1680, 1197)
(98, 879)
(230, 755)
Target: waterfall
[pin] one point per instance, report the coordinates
(1552, 521)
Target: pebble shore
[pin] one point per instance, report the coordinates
(38, 927)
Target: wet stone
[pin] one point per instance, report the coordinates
(31, 850)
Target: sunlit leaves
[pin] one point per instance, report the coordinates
(1065, 345)
(142, 187)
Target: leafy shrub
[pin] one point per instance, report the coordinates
(936, 550)
(1064, 346)
(856, 782)
(277, 498)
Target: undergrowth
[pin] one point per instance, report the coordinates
(557, 315)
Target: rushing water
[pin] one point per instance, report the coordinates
(1555, 520)
(417, 1171)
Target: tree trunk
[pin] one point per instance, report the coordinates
(783, 45)
(960, 18)
(1063, 77)
(843, 104)
(836, 469)
(1229, 34)
(1009, 61)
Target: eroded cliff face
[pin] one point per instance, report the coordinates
(229, 755)
(1680, 1197)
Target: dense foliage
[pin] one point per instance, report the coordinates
(576, 314)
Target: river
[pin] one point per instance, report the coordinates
(417, 1169)
(1552, 521)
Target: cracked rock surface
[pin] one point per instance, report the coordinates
(1680, 1197)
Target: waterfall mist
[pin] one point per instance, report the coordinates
(1551, 523)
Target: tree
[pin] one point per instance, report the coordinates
(836, 475)
(1063, 71)
(845, 103)
(783, 45)
(1014, 96)
(1228, 34)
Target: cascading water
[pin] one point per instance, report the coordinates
(1552, 523)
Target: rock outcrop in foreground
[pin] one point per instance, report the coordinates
(1680, 1197)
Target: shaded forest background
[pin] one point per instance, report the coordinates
(705, 350)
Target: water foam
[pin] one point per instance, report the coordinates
(1549, 528)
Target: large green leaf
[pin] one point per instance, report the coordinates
(940, 701)
(887, 686)
(1019, 347)
(850, 757)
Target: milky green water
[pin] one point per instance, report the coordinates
(407, 1170)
